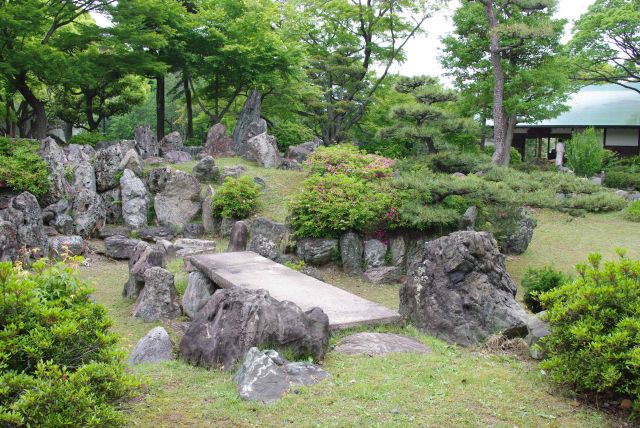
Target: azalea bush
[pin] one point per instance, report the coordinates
(236, 198)
(59, 362)
(540, 280)
(347, 159)
(594, 322)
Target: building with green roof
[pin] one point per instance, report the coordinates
(612, 109)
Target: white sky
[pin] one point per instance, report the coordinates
(422, 52)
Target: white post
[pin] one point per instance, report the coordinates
(559, 155)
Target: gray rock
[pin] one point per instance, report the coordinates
(398, 248)
(143, 257)
(132, 161)
(158, 178)
(153, 234)
(8, 241)
(177, 156)
(538, 328)
(154, 347)
(171, 142)
(261, 183)
(236, 319)
(373, 344)
(158, 299)
(208, 221)
(266, 376)
(193, 231)
(72, 245)
(250, 113)
(374, 253)
(146, 143)
(290, 165)
(113, 230)
(89, 213)
(25, 214)
(459, 290)
(351, 250)
(264, 150)
(178, 202)
(107, 166)
(187, 247)
(119, 247)
(113, 205)
(226, 225)
(60, 207)
(268, 238)
(232, 171)
(198, 291)
(239, 236)
(312, 272)
(64, 224)
(78, 153)
(383, 275)
(301, 152)
(317, 251)
(518, 241)
(218, 143)
(134, 200)
(468, 219)
(206, 170)
(56, 160)
(84, 177)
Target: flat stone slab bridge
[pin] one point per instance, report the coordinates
(247, 269)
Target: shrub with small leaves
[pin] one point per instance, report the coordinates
(585, 154)
(632, 212)
(622, 180)
(236, 198)
(347, 159)
(594, 322)
(537, 281)
(22, 168)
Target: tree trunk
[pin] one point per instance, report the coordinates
(160, 107)
(508, 139)
(68, 131)
(499, 116)
(40, 124)
(430, 146)
(483, 136)
(189, 106)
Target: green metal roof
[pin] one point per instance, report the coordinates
(598, 105)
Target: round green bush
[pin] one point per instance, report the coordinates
(632, 212)
(622, 180)
(585, 154)
(537, 281)
(22, 168)
(236, 198)
(594, 322)
(59, 362)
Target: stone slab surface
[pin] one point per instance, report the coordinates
(249, 270)
(379, 344)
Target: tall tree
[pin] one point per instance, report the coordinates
(512, 49)
(606, 43)
(352, 45)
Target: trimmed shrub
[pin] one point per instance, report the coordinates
(595, 329)
(622, 180)
(450, 161)
(347, 159)
(236, 198)
(87, 138)
(632, 212)
(537, 281)
(22, 168)
(585, 153)
(59, 363)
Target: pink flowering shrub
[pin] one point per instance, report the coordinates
(347, 159)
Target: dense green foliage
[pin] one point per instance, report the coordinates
(632, 212)
(537, 281)
(585, 153)
(59, 363)
(617, 179)
(21, 168)
(236, 198)
(595, 329)
(88, 138)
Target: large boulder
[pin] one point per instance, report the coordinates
(518, 241)
(72, 245)
(134, 200)
(171, 141)
(199, 289)
(120, 247)
(79, 153)
(264, 150)
(84, 176)
(178, 202)
(236, 319)
(132, 161)
(351, 253)
(383, 275)
(301, 152)
(206, 170)
(107, 166)
(177, 156)
(24, 213)
(398, 249)
(8, 241)
(158, 299)
(268, 237)
(239, 235)
(146, 143)
(250, 115)
(218, 143)
(374, 253)
(89, 212)
(317, 251)
(154, 347)
(266, 376)
(459, 290)
(538, 328)
(113, 205)
(143, 257)
(56, 160)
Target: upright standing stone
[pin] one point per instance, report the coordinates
(208, 221)
(107, 165)
(178, 202)
(351, 253)
(132, 161)
(155, 346)
(239, 235)
(146, 143)
(89, 213)
(398, 249)
(113, 204)
(134, 200)
(8, 241)
(374, 253)
(264, 150)
(172, 141)
(250, 114)
(218, 143)
(158, 299)
(25, 214)
(267, 237)
(198, 291)
(55, 158)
